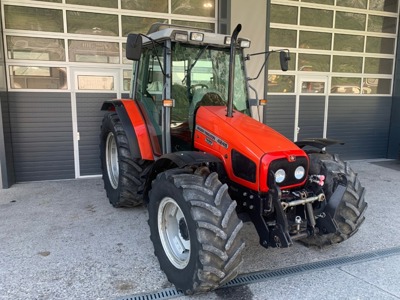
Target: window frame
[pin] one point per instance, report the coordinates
(297, 50)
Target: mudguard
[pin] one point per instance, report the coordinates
(318, 143)
(134, 126)
(177, 160)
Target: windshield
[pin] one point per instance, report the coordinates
(202, 70)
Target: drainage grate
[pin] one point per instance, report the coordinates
(162, 294)
(284, 272)
(335, 262)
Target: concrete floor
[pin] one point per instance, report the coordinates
(63, 240)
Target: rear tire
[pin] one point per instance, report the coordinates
(350, 212)
(194, 229)
(123, 176)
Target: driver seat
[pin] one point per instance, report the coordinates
(204, 97)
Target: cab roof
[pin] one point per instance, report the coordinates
(190, 35)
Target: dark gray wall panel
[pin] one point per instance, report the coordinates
(6, 156)
(394, 138)
(280, 114)
(41, 133)
(311, 117)
(89, 121)
(362, 123)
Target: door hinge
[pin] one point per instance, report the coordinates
(78, 136)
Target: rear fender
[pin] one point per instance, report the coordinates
(177, 160)
(134, 126)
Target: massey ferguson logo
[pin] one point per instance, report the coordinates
(211, 138)
(292, 158)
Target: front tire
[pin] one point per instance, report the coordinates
(123, 176)
(350, 212)
(194, 229)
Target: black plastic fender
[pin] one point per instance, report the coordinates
(178, 160)
(318, 143)
(126, 123)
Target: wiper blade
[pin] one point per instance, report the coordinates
(154, 42)
(199, 54)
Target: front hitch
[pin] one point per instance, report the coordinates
(326, 223)
(270, 236)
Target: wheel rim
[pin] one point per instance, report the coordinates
(174, 233)
(112, 160)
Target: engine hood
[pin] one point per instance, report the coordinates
(247, 148)
(244, 131)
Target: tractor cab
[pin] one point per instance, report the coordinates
(176, 70)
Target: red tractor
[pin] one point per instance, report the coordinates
(186, 146)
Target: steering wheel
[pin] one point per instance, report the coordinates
(197, 86)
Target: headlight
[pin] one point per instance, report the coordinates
(299, 172)
(280, 176)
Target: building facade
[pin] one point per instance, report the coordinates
(61, 59)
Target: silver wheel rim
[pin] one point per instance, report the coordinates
(174, 233)
(112, 160)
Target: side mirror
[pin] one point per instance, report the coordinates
(284, 59)
(134, 46)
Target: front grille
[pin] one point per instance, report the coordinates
(289, 168)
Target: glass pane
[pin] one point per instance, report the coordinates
(327, 2)
(91, 23)
(383, 5)
(100, 3)
(210, 26)
(32, 18)
(282, 38)
(23, 77)
(55, 1)
(352, 3)
(138, 24)
(95, 82)
(376, 86)
(352, 21)
(312, 87)
(3, 82)
(347, 42)
(21, 47)
(127, 80)
(380, 45)
(324, 19)
(146, 5)
(382, 24)
(346, 85)
(315, 40)
(347, 64)
(124, 59)
(375, 65)
(283, 14)
(93, 51)
(193, 8)
(280, 83)
(314, 62)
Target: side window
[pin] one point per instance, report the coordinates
(181, 136)
(150, 89)
(179, 93)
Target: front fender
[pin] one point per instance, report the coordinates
(317, 143)
(178, 160)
